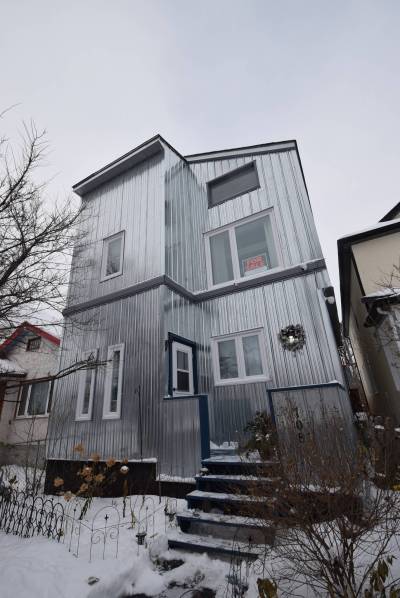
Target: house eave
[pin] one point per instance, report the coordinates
(141, 153)
(345, 255)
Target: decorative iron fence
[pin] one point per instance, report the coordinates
(27, 515)
(90, 535)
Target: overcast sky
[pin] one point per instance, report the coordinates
(103, 76)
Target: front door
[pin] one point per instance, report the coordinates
(182, 369)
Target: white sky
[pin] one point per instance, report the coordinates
(103, 76)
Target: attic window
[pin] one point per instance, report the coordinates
(33, 344)
(231, 185)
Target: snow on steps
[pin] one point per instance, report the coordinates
(214, 546)
(226, 526)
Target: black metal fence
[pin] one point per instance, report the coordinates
(27, 515)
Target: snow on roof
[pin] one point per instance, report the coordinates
(10, 368)
(388, 224)
(381, 294)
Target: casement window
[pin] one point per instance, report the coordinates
(232, 184)
(113, 255)
(241, 250)
(239, 358)
(113, 382)
(34, 399)
(182, 366)
(86, 387)
(33, 344)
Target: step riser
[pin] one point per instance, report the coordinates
(229, 532)
(225, 555)
(218, 506)
(230, 487)
(226, 468)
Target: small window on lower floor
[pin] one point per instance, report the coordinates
(239, 358)
(113, 382)
(34, 399)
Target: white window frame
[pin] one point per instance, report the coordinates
(234, 251)
(104, 257)
(26, 415)
(242, 378)
(107, 414)
(79, 416)
(177, 346)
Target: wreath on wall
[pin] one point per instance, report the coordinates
(292, 337)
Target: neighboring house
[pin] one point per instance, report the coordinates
(27, 359)
(192, 270)
(369, 263)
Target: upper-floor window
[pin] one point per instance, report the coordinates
(113, 382)
(232, 184)
(241, 250)
(113, 254)
(87, 381)
(239, 358)
(34, 399)
(33, 344)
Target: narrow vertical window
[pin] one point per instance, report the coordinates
(113, 251)
(113, 382)
(87, 381)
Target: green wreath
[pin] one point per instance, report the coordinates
(292, 337)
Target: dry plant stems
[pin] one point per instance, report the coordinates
(335, 528)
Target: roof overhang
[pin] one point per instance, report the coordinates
(393, 213)
(264, 148)
(139, 154)
(345, 255)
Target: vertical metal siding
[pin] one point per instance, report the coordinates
(188, 216)
(134, 321)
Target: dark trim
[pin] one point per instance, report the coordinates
(391, 213)
(272, 146)
(333, 313)
(306, 387)
(227, 176)
(119, 166)
(189, 343)
(116, 295)
(292, 272)
(268, 278)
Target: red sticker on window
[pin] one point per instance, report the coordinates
(253, 263)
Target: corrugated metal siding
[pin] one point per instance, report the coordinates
(133, 202)
(136, 322)
(271, 307)
(188, 216)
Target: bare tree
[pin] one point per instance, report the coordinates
(36, 235)
(337, 521)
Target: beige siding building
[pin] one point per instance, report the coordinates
(369, 264)
(28, 358)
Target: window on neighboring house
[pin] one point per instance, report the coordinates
(87, 381)
(113, 382)
(113, 253)
(34, 399)
(239, 357)
(33, 344)
(242, 250)
(232, 184)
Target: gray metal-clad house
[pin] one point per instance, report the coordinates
(189, 270)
